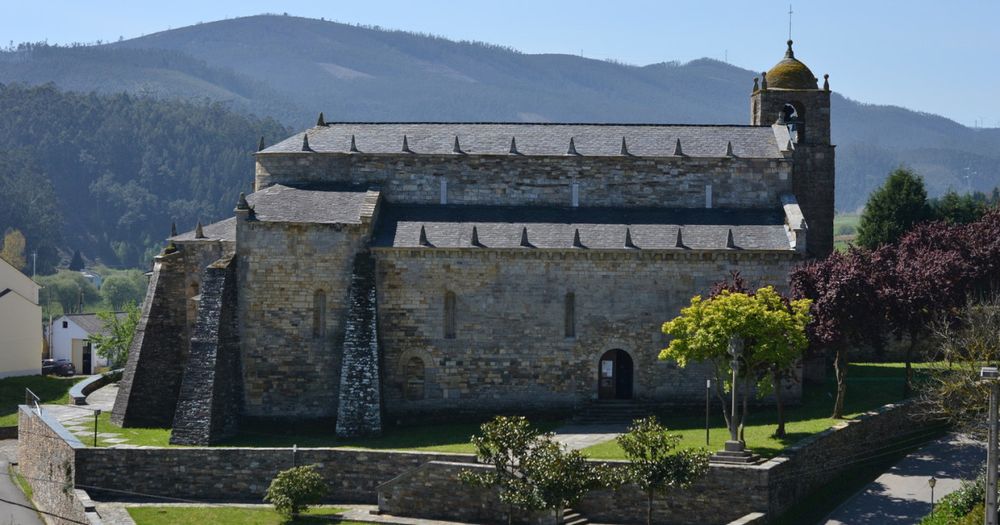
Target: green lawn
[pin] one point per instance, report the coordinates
(230, 516)
(845, 229)
(444, 437)
(153, 437)
(52, 390)
(869, 386)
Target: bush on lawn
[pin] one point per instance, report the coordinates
(293, 490)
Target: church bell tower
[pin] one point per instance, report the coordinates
(788, 95)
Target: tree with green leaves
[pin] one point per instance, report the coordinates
(654, 464)
(13, 249)
(292, 491)
(958, 209)
(114, 344)
(504, 443)
(893, 209)
(773, 331)
(556, 478)
(122, 287)
(67, 288)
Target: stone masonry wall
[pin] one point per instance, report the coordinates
(46, 455)
(147, 394)
(152, 378)
(522, 180)
(814, 462)
(210, 400)
(242, 474)
(360, 410)
(510, 352)
(290, 369)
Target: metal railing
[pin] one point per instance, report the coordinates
(32, 400)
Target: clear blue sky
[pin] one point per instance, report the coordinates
(936, 56)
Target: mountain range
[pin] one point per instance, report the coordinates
(292, 68)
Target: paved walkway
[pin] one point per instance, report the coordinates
(577, 437)
(80, 419)
(901, 495)
(12, 509)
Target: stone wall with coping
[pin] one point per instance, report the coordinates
(510, 351)
(46, 455)
(511, 180)
(242, 474)
(288, 369)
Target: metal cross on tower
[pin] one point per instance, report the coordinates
(789, 21)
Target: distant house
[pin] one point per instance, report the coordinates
(20, 323)
(71, 340)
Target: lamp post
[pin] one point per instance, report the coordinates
(708, 407)
(990, 375)
(931, 482)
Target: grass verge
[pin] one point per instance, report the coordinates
(21, 482)
(182, 515)
(52, 390)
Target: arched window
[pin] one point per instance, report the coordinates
(319, 313)
(413, 379)
(449, 315)
(569, 320)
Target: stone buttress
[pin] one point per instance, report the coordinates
(208, 408)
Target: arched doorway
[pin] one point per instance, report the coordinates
(614, 375)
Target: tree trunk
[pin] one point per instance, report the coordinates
(779, 403)
(907, 387)
(649, 507)
(510, 514)
(743, 416)
(840, 368)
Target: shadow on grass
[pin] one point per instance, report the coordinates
(50, 389)
(442, 437)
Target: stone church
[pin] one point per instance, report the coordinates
(391, 272)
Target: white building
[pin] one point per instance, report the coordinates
(20, 323)
(71, 340)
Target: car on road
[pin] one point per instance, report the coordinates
(59, 367)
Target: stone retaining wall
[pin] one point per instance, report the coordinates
(423, 484)
(241, 474)
(46, 455)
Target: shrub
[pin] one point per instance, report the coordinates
(293, 490)
(962, 507)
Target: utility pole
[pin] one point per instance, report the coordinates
(990, 375)
(34, 263)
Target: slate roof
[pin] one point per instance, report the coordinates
(643, 140)
(313, 204)
(224, 230)
(599, 228)
(300, 204)
(91, 323)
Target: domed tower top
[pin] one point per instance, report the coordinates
(790, 73)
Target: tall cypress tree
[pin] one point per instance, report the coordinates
(893, 209)
(76, 264)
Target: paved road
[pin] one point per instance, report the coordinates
(578, 437)
(9, 491)
(901, 495)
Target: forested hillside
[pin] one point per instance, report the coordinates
(292, 68)
(107, 174)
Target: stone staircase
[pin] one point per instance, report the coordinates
(572, 517)
(613, 411)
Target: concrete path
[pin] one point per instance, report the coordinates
(15, 507)
(577, 437)
(80, 419)
(901, 495)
